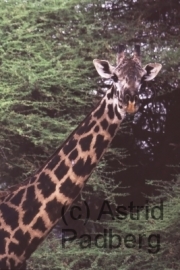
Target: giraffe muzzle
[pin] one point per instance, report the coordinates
(131, 103)
(131, 107)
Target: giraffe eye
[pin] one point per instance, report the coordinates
(114, 78)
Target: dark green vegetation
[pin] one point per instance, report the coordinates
(47, 75)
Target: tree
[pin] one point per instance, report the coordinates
(47, 86)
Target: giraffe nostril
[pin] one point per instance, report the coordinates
(136, 98)
(127, 97)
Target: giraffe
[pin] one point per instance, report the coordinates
(29, 211)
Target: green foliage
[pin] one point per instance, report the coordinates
(46, 53)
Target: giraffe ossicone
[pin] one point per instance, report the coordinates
(29, 211)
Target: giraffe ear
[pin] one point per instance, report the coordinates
(152, 70)
(104, 69)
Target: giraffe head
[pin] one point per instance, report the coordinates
(127, 76)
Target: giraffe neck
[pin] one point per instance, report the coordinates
(29, 213)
